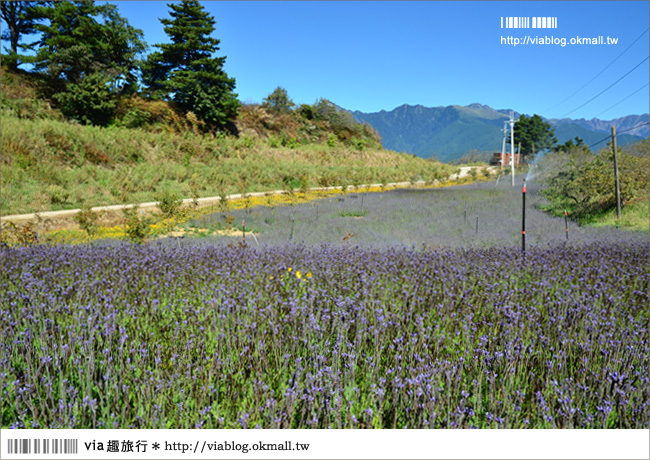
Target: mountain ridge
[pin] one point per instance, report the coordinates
(448, 132)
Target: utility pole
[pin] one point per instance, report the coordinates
(512, 147)
(618, 186)
(523, 218)
(503, 147)
(519, 153)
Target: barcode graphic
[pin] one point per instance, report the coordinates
(535, 22)
(43, 446)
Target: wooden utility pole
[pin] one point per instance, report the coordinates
(618, 186)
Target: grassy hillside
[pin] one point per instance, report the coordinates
(49, 163)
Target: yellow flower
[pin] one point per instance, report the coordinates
(309, 275)
(289, 269)
(298, 275)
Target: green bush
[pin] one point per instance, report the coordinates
(136, 118)
(307, 111)
(90, 101)
(58, 194)
(87, 220)
(278, 101)
(584, 183)
(137, 225)
(170, 204)
(358, 144)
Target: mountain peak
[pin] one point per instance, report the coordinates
(450, 132)
(476, 105)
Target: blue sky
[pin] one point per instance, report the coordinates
(374, 55)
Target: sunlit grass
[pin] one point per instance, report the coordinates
(634, 216)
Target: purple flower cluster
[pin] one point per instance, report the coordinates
(166, 337)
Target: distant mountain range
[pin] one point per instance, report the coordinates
(447, 133)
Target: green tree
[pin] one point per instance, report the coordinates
(186, 72)
(90, 54)
(534, 134)
(278, 101)
(81, 38)
(570, 146)
(89, 101)
(21, 20)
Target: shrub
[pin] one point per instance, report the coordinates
(359, 144)
(136, 118)
(87, 220)
(21, 235)
(278, 101)
(584, 183)
(307, 111)
(137, 225)
(58, 194)
(89, 101)
(224, 205)
(170, 204)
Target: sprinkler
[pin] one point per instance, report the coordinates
(523, 218)
(566, 225)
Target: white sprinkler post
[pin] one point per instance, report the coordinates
(512, 147)
(503, 147)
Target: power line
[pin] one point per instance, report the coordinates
(629, 72)
(620, 132)
(598, 74)
(602, 140)
(625, 98)
(634, 127)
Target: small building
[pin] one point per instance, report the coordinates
(496, 159)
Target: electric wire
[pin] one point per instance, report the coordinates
(625, 98)
(598, 74)
(634, 127)
(629, 72)
(620, 132)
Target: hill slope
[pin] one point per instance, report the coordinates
(49, 163)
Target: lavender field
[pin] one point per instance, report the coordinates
(420, 218)
(372, 333)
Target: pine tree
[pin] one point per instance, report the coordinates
(186, 72)
(89, 54)
(534, 134)
(75, 44)
(278, 101)
(20, 19)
